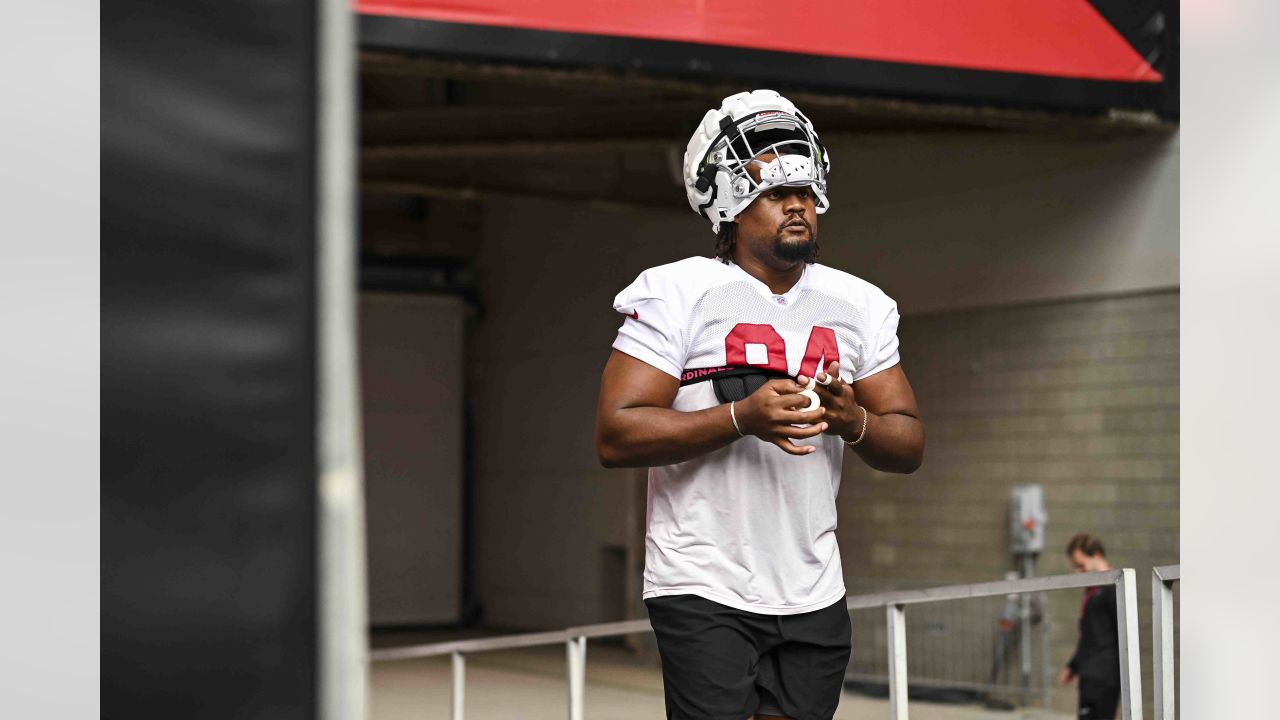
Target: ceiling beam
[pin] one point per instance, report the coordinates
(669, 202)
(528, 122)
(1116, 122)
(575, 123)
(514, 149)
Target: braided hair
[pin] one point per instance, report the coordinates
(726, 239)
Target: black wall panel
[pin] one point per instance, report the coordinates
(208, 360)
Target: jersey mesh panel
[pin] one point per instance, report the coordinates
(722, 307)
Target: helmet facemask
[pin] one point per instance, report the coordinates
(797, 158)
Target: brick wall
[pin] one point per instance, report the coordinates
(1080, 397)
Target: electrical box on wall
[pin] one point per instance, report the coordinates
(1026, 519)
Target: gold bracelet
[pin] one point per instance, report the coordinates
(862, 434)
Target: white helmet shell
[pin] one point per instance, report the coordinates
(730, 139)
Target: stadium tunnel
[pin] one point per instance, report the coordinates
(1015, 188)
(519, 177)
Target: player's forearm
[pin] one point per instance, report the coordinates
(651, 436)
(893, 443)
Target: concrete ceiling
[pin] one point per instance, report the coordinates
(445, 134)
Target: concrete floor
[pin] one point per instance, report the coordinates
(529, 684)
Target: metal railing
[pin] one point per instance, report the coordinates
(960, 651)
(1162, 651)
(894, 603)
(574, 639)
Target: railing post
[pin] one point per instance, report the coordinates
(1162, 645)
(1130, 658)
(576, 653)
(896, 617)
(1046, 664)
(459, 685)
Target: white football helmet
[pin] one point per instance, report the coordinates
(728, 140)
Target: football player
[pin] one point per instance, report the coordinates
(740, 381)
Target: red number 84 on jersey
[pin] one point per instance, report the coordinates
(751, 345)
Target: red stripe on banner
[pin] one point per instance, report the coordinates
(1064, 38)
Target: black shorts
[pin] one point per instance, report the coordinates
(719, 663)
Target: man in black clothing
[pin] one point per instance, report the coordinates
(1097, 657)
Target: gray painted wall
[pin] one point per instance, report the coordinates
(1080, 397)
(948, 222)
(411, 385)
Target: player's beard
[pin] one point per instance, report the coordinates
(796, 250)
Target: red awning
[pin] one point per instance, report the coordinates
(1055, 38)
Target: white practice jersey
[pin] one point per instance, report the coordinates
(748, 525)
